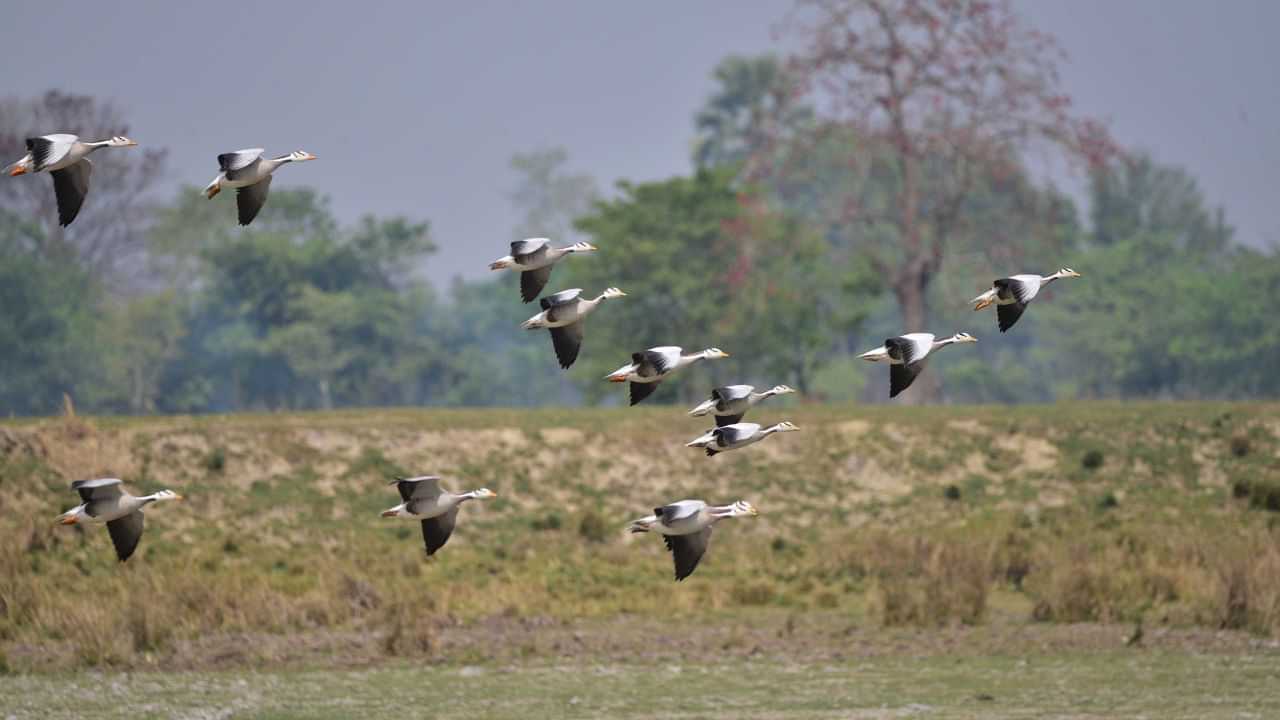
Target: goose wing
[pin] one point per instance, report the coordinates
(49, 150)
(125, 533)
(687, 550)
(70, 185)
(1021, 288)
(640, 391)
(102, 489)
(1007, 315)
(901, 376)
(251, 198)
(680, 510)
(532, 282)
(735, 433)
(910, 347)
(731, 393)
(723, 420)
(436, 530)
(564, 297)
(660, 360)
(240, 164)
(567, 340)
(423, 487)
(529, 251)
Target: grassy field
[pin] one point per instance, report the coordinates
(880, 528)
(1110, 684)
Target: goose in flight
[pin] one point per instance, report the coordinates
(103, 501)
(686, 528)
(729, 403)
(436, 507)
(564, 314)
(534, 258)
(738, 435)
(1012, 294)
(250, 174)
(906, 355)
(650, 367)
(66, 158)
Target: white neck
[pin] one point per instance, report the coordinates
(771, 430)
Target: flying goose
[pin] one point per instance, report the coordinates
(906, 356)
(650, 367)
(534, 258)
(738, 435)
(729, 403)
(563, 314)
(66, 158)
(250, 174)
(105, 501)
(686, 528)
(1012, 294)
(436, 507)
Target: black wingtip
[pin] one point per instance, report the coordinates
(711, 452)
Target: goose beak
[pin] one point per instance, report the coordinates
(15, 172)
(616, 378)
(131, 143)
(179, 498)
(69, 520)
(209, 193)
(389, 513)
(982, 304)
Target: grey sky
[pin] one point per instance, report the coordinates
(415, 108)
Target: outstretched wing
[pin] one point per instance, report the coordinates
(679, 510)
(70, 185)
(436, 530)
(563, 297)
(1007, 315)
(101, 489)
(424, 487)
(49, 149)
(125, 533)
(567, 340)
(640, 391)
(233, 164)
(687, 550)
(732, 393)
(530, 250)
(901, 376)
(661, 359)
(251, 198)
(723, 420)
(532, 282)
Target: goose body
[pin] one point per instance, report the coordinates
(250, 175)
(737, 435)
(1012, 294)
(650, 367)
(435, 507)
(686, 525)
(66, 158)
(563, 314)
(104, 501)
(534, 258)
(729, 403)
(906, 355)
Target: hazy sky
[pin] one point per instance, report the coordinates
(415, 108)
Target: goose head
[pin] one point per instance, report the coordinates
(1067, 273)
(963, 337)
(783, 390)
(165, 495)
(714, 354)
(785, 426)
(741, 508)
(484, 494)
(300, 156)
(120, 141)
(612, 292)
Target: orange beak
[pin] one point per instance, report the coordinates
(69, 520)
(19, 170)
(388, 513)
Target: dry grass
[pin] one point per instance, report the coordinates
(281, 535)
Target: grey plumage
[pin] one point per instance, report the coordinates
(70, 186)
(436, 530)
(687, 550)
(251, 198)
(125, 533)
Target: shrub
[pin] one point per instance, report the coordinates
(951, 492)
(216, 460)
(1240, 445)
(1092, 460)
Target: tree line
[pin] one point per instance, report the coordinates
(804, 232)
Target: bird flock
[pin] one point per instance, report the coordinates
(685, 525)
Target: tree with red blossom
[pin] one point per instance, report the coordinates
(941, 94)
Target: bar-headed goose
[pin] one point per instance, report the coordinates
(906, 356)
(650, 367)
(250, 174)
(737, 435)
(729, 403)
(686, 528)
(1012, 294)
(66, 158)
(563, 314)
(105, 502)
(436, 507)
(534, 258)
